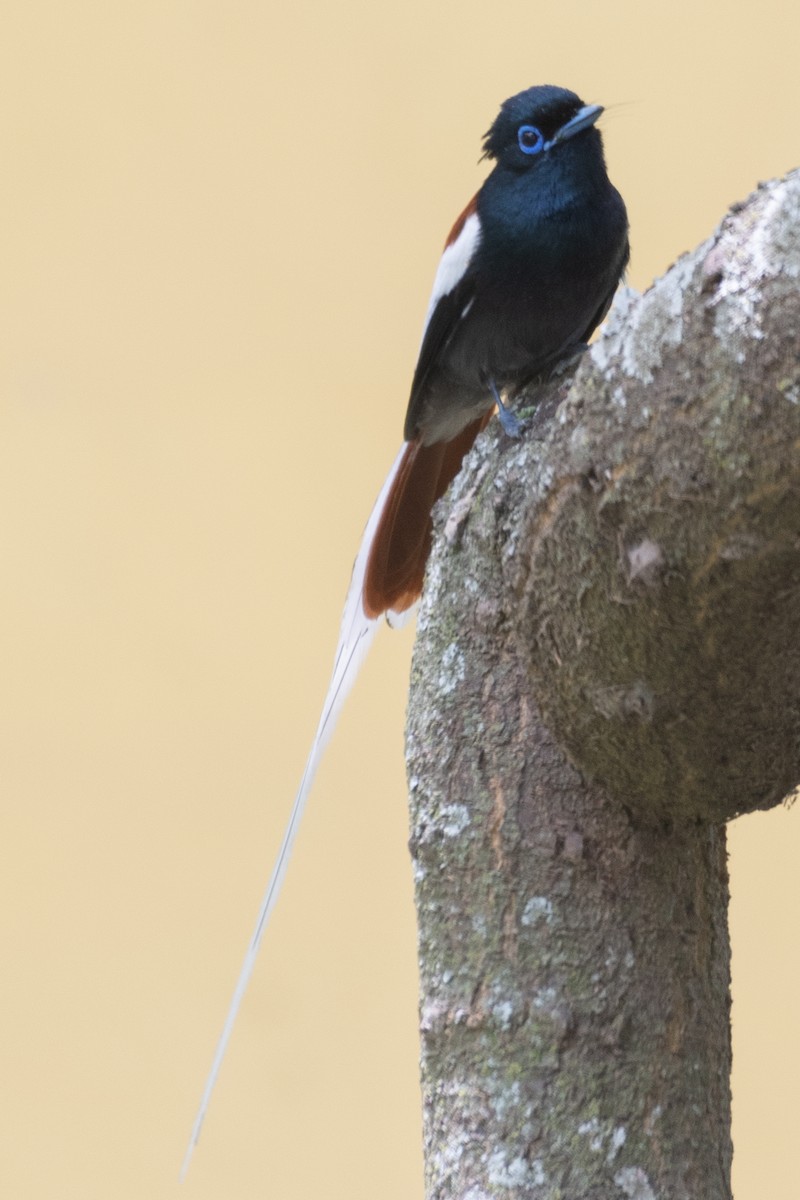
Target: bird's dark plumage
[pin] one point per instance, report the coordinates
(527, 274)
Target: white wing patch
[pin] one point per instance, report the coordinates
(454, 262)
(355, 638)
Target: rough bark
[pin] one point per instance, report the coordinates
(607, 669)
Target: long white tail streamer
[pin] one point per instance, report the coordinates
(355, 637)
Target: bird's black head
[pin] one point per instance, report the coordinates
(533, 123)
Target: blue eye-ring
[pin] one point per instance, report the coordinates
(531, 140)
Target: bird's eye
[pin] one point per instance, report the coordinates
(530, 139)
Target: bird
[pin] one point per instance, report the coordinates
(528, 272)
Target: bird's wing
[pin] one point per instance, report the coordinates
(451, 297)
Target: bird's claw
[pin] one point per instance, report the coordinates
(512, 426)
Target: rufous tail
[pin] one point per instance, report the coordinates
(402, 541)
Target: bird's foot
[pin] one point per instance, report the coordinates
(512, 426)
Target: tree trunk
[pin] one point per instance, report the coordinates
(607, 669)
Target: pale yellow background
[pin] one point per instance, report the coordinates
(218, 228)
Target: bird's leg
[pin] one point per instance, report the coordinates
(565, 364)
(511, 425)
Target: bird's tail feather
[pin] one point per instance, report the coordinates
(357, 632)
(401, 542)
(387, 578)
